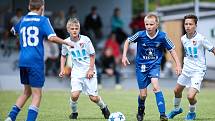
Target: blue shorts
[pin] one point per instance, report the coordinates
(32, 76)
(144, 78)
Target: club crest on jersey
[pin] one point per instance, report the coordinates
(194, 42)
(81, 45)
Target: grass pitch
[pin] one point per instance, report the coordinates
(55, 105)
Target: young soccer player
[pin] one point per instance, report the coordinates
(83, 74)
(32, 30)
(194, 67)
(150, 44)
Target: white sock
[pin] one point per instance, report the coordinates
(73, 106)
(192, 108)
(101, 103)
(177, 102)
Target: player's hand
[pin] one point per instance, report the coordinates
(90, 73)
(62, 73)
(70, 44)
(178, 70)
(125, 61)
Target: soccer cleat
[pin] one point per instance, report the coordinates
(140, 117)
(73, 116)
(173, 113)
(8, 119)
(191, 116)
(163, 118)
(106, 112)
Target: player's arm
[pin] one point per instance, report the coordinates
(177, 62)
(90, 71)
(213, 51)
(125, 60)
(62, 65)
(56, 39)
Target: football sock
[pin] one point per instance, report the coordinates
(73, 106)
(177, 102)
(14, 112)
(192, 108)
(101, 103)
(160, 102)
(141, 105)
(32, 113)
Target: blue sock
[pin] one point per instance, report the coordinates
(160, 102)
(32, 113)
(141, 105)
(14, 112)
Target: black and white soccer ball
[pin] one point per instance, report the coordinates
(116, 116)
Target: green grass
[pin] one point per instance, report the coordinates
(55, 105)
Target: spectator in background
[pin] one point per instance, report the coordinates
(93, 26)
(8, 37)
(72, 12)
(117, 26)
(51, 58)
(108, 66)
(59, 22)
(137, 23)
(112, 43)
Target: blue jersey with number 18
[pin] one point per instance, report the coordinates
(32, 30)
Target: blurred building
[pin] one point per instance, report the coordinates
(172, 23)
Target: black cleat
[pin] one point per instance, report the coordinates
(106, 112)
(73, 116)
(163, 118)
(140, 117)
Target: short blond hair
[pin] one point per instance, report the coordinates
(72, 21)
(152, 15)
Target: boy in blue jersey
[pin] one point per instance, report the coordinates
(150, 44)
(194, 67)
(32, 30)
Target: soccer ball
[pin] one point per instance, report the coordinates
(116, 116)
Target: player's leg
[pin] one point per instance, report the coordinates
(91, 89)
(19, 103)
(35, 104)
(192, 92)
(75, 93)
(36, 81)
(159, 99)
(141, 104)
(182, 81)
(98, 100)
(74, 104)
(23, 97)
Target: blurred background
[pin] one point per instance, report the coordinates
(108, 23)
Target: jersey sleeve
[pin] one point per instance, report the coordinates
(168, 44)
(134, 37)
(207, 44)
(47, 27)
(15, 28)
(90, 48)
(64, 50)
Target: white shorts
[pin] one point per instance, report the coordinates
(87, 86)
(191, 79)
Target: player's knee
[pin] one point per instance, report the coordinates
(74, 97)
(94, 98)
(156, 89)
(190, 97)
(143, 96)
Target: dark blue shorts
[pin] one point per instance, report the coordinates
(144, 78)
(32, 76)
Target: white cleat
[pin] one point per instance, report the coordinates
(8, 119)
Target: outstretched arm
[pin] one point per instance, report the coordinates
(177, 62)
(125, 60)
(62, 64)
(56, 39)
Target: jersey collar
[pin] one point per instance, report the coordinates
(32, 13)
(195, 33)
(153, 36)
